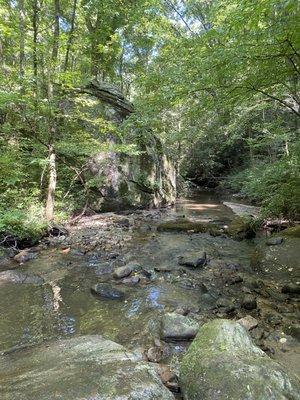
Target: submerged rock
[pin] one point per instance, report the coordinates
(274, 241)
(249, 302)
(178, 327)
(107, 291)
(12, 276)
(132, 280)
(291, 288)
(81, 368)
(189, 226)
(122, 272)
(200, 261)
(222, 363)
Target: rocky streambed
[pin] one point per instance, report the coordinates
(109, 308)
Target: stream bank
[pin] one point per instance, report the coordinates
(154, 273)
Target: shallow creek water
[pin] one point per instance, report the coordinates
(64, 305)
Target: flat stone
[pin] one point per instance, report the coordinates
(187, 261)
(248, 322)
(81, 368)
(163, 269)
(132, 280)
(274, 241)
(13, 276)
(106, 291)
(122, 272)
(178, 327)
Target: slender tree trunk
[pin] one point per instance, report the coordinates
(70, 39)
(51, 185)
(21, 43)
(56, 32)
(50, 201)
(35, 41)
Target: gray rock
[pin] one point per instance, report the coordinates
(291, 288)
(178, 327)
(155, 354)
(200, 261)
(81, 368)
(293, 330)
(24, 255)
(248, 322)
(273, 241)
(222, 363)
(12, 276)
(249, 302)
(132, 280)
(107, 291)
(122, 272)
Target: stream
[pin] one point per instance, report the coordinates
(71, 265)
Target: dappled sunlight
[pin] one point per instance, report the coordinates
(202, 207)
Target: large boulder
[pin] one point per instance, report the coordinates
(81, 368)
(145, 178)
(222, 363)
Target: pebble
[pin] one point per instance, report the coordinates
(248, 322)
(249, 302)
(122, 272)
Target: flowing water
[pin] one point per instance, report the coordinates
(64, 305)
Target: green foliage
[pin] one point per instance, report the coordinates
(22, 224)
(275, 185)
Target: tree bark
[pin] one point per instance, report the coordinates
(50, 201)
(49, 211)
(21, 43)
(56, 31)
(35, 8)
(70, 39)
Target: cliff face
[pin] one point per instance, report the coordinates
(146, 179)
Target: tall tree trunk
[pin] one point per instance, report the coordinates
(21, 43)
(50, 201)
(35, 8)
(70, 39)
(51, 185)
(56, 32)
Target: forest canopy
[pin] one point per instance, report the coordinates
(216, 80)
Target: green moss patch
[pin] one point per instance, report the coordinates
(189, 226)
(292, 232)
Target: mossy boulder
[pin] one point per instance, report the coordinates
(81, 368)
(292, 232)
(242, 228)
(189, 226)
(222, 363)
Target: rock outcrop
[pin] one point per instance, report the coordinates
(81, 368)
(222, 363)
(143, 179)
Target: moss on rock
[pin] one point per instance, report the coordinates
(292, 232)
(189, 226)
(242, 228)
(222, 363)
